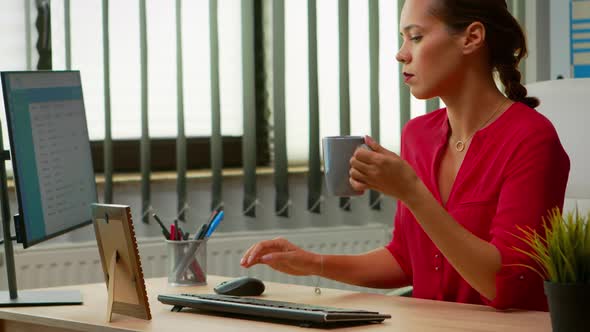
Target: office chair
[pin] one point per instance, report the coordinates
(567, 104)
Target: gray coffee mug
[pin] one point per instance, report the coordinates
(337, 153)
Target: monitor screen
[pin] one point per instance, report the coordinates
(50, 153)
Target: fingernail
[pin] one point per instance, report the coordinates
(266, 257)
(249, 260)
(368, 139)
(242, 261)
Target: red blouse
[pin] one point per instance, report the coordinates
(514, 171)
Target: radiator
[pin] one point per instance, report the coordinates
(79, 263)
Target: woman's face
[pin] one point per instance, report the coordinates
(430, 55)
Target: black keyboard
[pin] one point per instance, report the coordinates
(303, 313)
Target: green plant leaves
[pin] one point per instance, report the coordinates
(563, 253)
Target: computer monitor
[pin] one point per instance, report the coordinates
(52, 163)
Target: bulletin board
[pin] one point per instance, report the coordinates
(580, 38)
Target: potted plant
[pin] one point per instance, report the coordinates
(563, 257)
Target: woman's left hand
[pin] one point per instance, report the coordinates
(382, 170)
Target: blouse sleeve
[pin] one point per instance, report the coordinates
(398, 245)
(534, 183)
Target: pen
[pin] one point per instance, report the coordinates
(179, 233)
(188, 258)
(177, 229)
(205, 229)
(214, 224)
(202, 231)
(164, 230)
(213, 214)
(172, 232)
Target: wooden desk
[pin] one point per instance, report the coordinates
(407, 314)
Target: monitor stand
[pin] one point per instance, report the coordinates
(40, 298)
(11, 298)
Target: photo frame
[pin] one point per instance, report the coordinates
(115, 236)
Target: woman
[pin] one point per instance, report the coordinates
(468, 175)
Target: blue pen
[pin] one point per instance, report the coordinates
(214, 224)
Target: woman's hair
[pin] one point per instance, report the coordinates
(504, 37)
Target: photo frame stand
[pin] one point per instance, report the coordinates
(117, 245)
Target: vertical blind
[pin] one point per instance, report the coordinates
(181, 167)
(18, 36)
(186, 68)
(216, 147)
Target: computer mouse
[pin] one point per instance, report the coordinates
(242, 286)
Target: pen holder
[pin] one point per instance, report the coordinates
(187, 262)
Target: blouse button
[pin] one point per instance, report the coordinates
(436, 268)
(521, 277)
(436, 255)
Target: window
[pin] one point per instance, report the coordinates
(124, 39)
(297, 99)
(125, 77)
(17, 51)
(125, 74)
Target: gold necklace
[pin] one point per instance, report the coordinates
(460, 145)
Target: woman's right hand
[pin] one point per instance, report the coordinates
(282, 256)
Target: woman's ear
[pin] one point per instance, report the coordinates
(474, 37)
